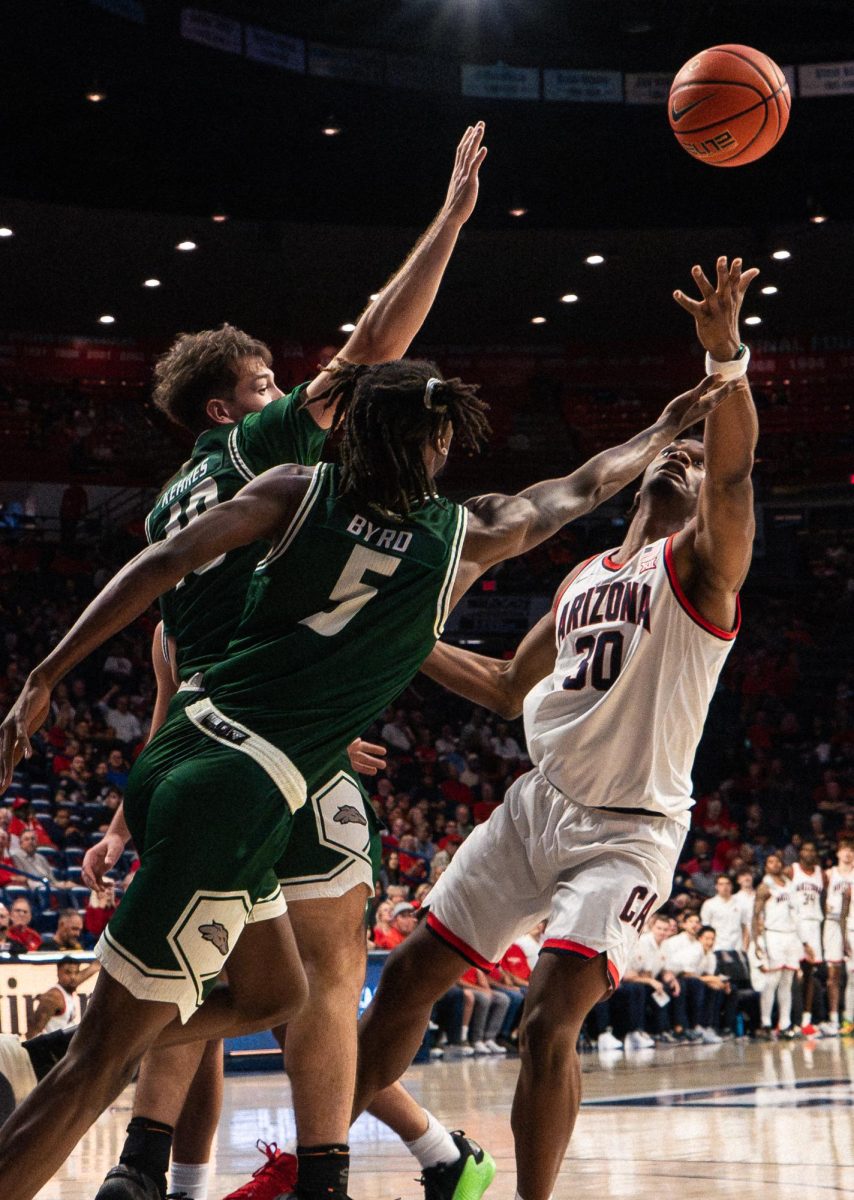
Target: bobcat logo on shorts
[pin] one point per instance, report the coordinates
(216, 933)
(348, 815)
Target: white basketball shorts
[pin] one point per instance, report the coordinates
(783, 951)
(597, 876)
(832, 941)
(810, 934)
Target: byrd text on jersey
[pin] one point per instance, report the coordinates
(616, 600)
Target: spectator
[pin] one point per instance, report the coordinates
(23, 819)
(69, 932)
(124, 724)
(7, 945)
(490, 1011)
(21, 914)
(683, 955)
(727, 917)
(396, 732)
(8, 870)
(401, 924)
(504, 745)
(117, 770)
(34, 866)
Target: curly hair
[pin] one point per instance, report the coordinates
(388, 413)
(199, 366)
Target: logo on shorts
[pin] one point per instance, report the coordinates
(216, 933)
(222, 729)
(348, 815)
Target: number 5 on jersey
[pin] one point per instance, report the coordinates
(351, 593)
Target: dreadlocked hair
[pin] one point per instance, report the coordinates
(389, 412)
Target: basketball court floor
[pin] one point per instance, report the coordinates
(688, 1123)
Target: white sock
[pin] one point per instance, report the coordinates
(191, 1178)
(464, 1033)
(834, 1017)
(806, 1017)
(435, 1146)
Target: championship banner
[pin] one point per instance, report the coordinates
(23, 979)
(826, 79)
(209, 29)
(286, 53)
(647, 87)
(585, 87)
(501, 82)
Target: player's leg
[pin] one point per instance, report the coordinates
(808, 991)
(562, 991)
(784, 1000)
(195, 1128)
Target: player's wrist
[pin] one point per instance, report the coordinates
(729, 365)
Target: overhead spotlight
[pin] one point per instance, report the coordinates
(518, 211)
(188, 245)
(781, 255)
(106, 319)
(595, 259)
(753, 320)
(219, 218)
(569, 298)
(769, 290)
(348, 327)
(96, 95)
(538, 320)
(330, 127)
(5, 231)
(151, 283)
(818, 218)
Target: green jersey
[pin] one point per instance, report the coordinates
(339, 616)
(202, 612)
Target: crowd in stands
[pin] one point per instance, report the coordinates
(776, 766)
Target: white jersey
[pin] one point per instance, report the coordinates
(727, 920)
(808, 887)
(616, 725)
(648, 958)
(779, 916)
(70, 1015)
(838, 884)
(746, 902)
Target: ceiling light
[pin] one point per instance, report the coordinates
(330, 127)
(781, 255)
(595, 259)
(347, 328)
(569, 298)
(219, 218)
(753, 320)
(538, 320)
(95, 95)
(186, 246)
(5, 231)
(769, 290)
(106, 319)
(818, 218)
(152, 283)
(519, 211)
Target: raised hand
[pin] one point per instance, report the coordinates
(716, 314)
(689, 408)
(366, 757)
(463, 188)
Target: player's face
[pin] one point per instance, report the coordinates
(724, 888)
(773, 864)
(845, 857)
(809, 855)
(67, 977)
(677, 471)
(255, 388)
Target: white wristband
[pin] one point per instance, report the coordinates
(736, 368)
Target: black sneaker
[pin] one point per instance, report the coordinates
(466, 1179)
(127, 1183)
(667, 1038)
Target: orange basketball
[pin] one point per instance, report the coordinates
(729, 105)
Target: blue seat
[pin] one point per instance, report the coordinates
(53, 856)
(40, 791)
(42, 807)
(80, 896)
(14, 891)
(74, 855)
(46, 922)
(73, 874)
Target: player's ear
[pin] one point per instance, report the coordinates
(218, 412)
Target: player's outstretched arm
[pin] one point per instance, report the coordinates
(387, 326)
(493, 682)
(259, 512)
(502, 527)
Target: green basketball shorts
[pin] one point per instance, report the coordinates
(335, 843)
(210, 807)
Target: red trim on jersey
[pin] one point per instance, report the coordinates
(610, 565)
(726, 635)
(570, 579)
(444, 934)
(567, 947)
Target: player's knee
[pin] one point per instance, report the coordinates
(276, 1005)
(548, 1040)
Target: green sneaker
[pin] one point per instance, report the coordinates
(466, 1179)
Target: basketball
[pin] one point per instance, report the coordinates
(729, 105)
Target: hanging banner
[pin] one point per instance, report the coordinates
(287, 53)
(421, 74)
(826, 79)
(359, 66)
(647, 87)
(501, 82)
(209, 29)
(586, 87)
(131, 9)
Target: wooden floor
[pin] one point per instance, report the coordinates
(687, 1123)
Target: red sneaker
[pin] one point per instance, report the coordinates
(810, 1031)
(276, 1176)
